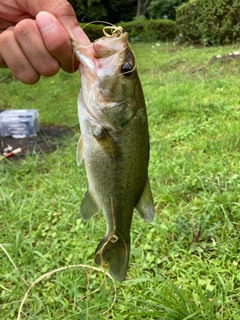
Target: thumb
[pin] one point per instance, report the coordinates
(75, 32)
(56, 39)
(62, 10)
(67, 18)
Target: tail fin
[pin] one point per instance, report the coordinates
(116, 253)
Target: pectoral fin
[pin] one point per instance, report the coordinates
(145, 205)
(89, 206)
(108, 144)
(79, 153)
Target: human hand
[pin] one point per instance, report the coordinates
(35, 38)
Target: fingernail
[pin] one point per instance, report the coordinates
(80, 35)
(45, 21)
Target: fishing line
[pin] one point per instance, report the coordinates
(50, 273)
(116, 31)
(92, 22)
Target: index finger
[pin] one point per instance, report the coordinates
(62, 10)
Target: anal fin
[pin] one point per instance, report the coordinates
(89, 206)
(145, 205)
(79, 152)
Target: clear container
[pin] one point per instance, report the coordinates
(19, 123)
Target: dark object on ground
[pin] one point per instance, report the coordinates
(47, 140)
(225, 57)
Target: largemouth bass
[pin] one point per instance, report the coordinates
(114, 144)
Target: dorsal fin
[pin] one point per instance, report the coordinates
(145, 205)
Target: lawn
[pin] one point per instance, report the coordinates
(184, 265)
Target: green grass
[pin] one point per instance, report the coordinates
(185, 265)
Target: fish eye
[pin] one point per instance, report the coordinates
(126, 69)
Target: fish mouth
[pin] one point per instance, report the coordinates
(109, 45)
(100, 60)
(101, 53)
(100, 63)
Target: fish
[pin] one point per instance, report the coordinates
(114, 144)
